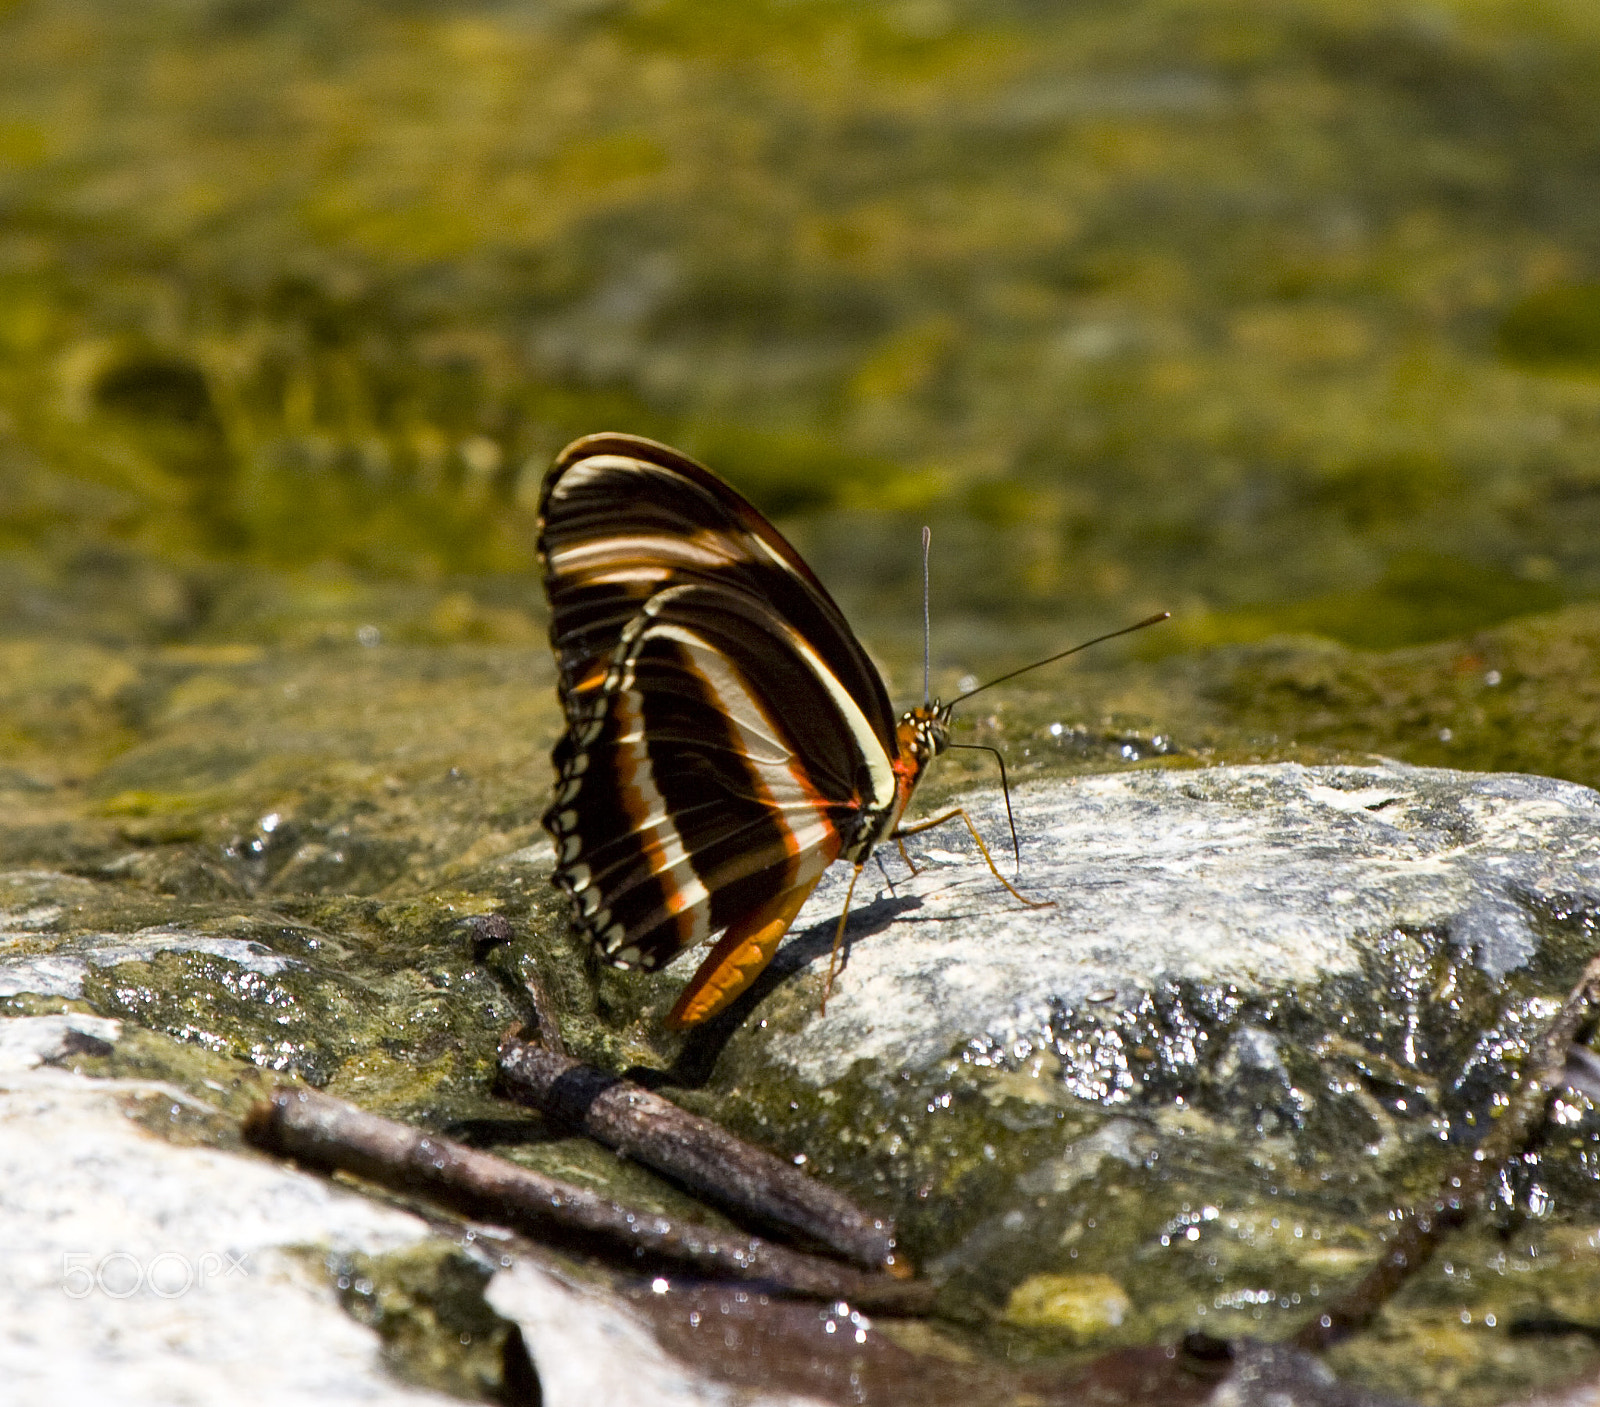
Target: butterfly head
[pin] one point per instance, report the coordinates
(923, 733)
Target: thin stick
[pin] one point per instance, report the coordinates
(544, 1013)
(883, 870)
(1421, 1227)
(982, 849)
(698, 1154)
(329, 1134)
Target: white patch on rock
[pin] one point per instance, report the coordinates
(58, 964)
(139, 1272)
(23, 921)
(28, 1042)
(1370, 799)
(540, 853)
(589, 1348)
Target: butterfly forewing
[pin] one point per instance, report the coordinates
(621, 518)
(727, 736)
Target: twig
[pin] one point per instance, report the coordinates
(697, 1154)
(492, 935)
(1423, 1226)
(544, 1013)
(329, 1134)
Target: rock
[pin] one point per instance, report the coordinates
(1267, 1004)
(594, 1349)
(1083, 1305)
(140, 1271)
(1263, 1000)
(57, 966)
(1256, 878)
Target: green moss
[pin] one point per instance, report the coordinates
(1554, 329)
(1420, 597)
(426, 1304)
(1450, 1335)
(820, 241)
(1083, 1306)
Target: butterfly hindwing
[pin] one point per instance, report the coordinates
(716, 771)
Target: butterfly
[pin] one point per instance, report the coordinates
(727, 737)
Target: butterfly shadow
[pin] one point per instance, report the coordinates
(703, 1046)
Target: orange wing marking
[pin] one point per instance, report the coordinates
(737, 960)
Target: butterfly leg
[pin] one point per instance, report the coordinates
(838, 938)
(909, 864)
(737, 959)
(982, 850)
(884, 869)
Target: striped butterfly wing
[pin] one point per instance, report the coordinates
(727, 736)
(621, 517)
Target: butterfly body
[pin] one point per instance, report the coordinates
(727, 737)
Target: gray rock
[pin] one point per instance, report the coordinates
(1255, 877)
(1266, 1004)
(37, 956)
(1263, 999)
(142, 1271)
(139, 1271)
(593, 1349)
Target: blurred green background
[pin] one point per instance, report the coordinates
(1281, 314)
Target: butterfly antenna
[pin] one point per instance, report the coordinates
(1051, 659)
(927, 624)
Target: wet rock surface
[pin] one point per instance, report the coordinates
(1267, 1005)
(143, 1266)
(1249, 880)
(143, 1271)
